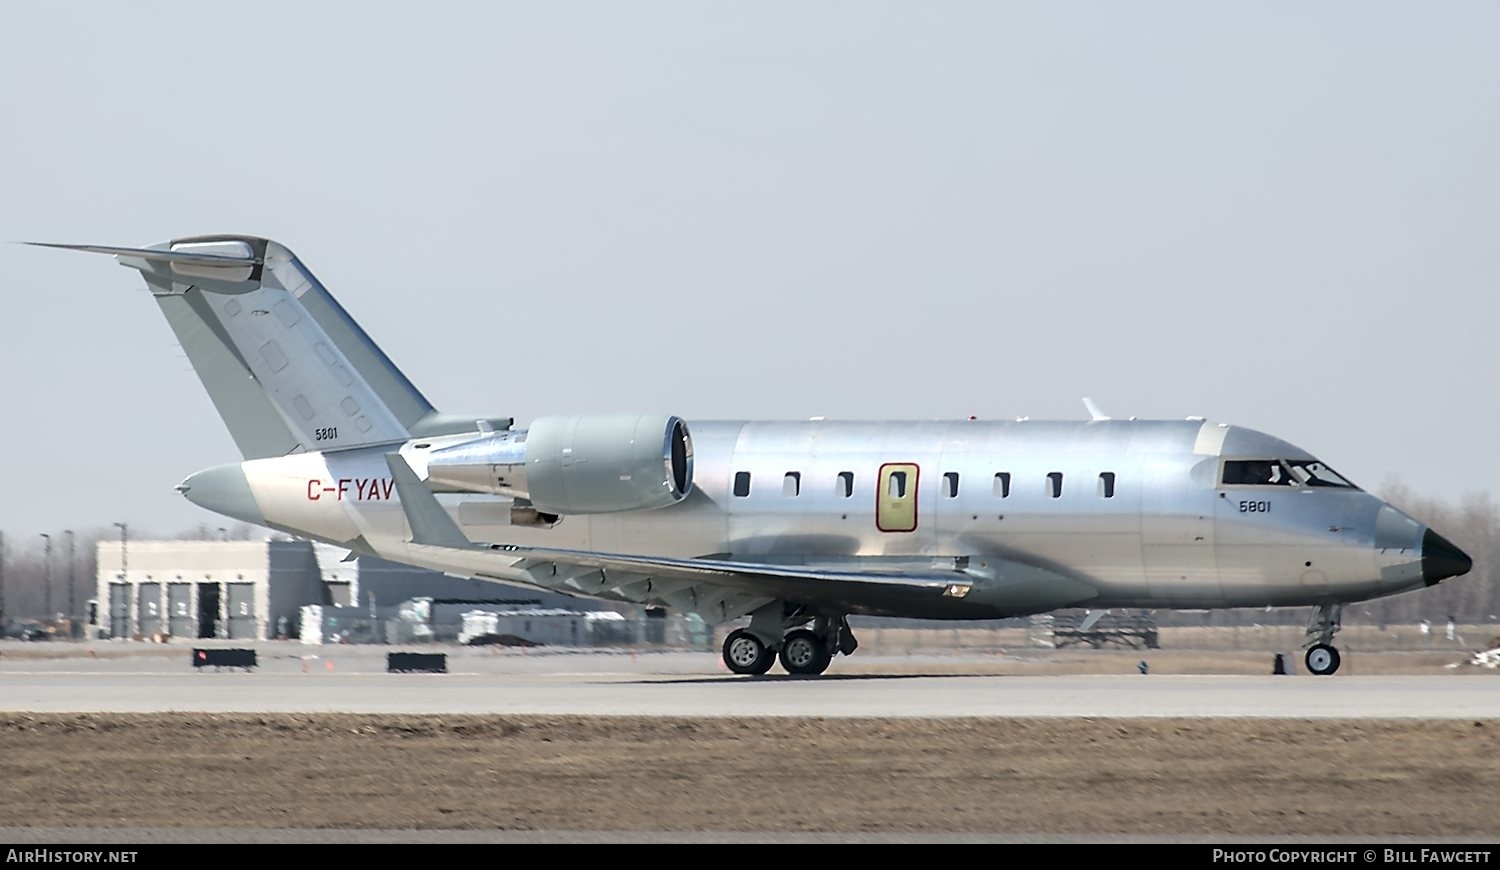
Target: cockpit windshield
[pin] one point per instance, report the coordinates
(1314, 473)
(1281, 472)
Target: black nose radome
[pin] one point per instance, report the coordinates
(1441, 560)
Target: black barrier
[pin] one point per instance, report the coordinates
(223, 658)
(425, 663)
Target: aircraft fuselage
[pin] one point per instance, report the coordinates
(1138, 512)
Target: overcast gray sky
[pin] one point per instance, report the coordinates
(1282, 215)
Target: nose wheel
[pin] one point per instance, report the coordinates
(1321, 659)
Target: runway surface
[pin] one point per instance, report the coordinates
(693, 684)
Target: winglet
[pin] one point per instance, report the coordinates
(430, 524)
(1095, 414)
(1091, 618)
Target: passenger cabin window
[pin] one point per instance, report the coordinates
(1002, 484)
(950, 484)
(898, 484)
(846, 484)
(1107, 484)
(791, 485)
(741, 484)
(1054, 484)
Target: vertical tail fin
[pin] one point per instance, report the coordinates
(287, 368)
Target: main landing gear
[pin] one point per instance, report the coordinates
(1322, 658)
(802, 651)
(744, 653)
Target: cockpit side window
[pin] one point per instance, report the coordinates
(1257, 472)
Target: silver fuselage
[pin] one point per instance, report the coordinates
(1134, 510)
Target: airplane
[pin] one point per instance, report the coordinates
(796, 525)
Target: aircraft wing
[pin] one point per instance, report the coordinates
(721, 589)
(716, 589)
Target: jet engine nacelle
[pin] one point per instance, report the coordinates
(577, 465)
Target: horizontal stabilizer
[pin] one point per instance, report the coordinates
(157, 254)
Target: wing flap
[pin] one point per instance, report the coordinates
(728, 572)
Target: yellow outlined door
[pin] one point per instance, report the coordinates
(896, 497)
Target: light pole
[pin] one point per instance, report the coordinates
(72, 603)
(124, 566)
(47, 577)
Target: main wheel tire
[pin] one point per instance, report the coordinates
(1321, 659)
(803, 652)
(744, 653)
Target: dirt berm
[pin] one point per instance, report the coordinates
(1144, 777)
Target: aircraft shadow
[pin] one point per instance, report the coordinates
(797, 678)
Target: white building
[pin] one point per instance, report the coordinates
(154, 590)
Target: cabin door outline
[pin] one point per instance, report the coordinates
(896, 497)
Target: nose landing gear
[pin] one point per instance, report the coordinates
(1322, 658)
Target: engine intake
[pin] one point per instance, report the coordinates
(577, 465)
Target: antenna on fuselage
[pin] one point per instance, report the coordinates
(1095, 414)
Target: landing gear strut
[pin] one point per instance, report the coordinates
(1322, 658)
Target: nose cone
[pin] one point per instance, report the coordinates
(223, 489)
(1441, 560)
